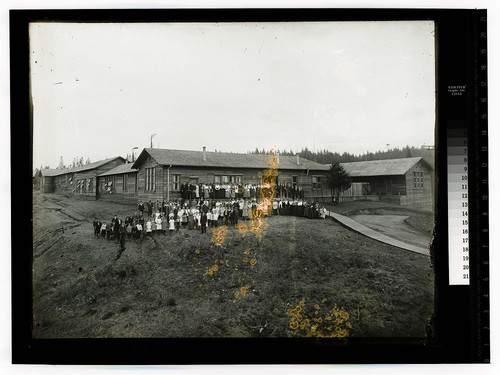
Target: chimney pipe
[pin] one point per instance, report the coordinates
(298, 160)
(204, 153)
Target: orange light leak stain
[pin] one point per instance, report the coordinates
(242, 228)
(241, 292)
(331, 323)
(219, 235)
(212, 270)
(267, 194)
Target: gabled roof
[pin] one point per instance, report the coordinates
(187, 158)
(389, 167)
(50, 172)
(121, 169)
(90, 166)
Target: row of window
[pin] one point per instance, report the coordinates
(150, 180)
(418, 180)
(110, 181)
(84, 185)
(225, 179)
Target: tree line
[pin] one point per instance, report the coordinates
(328, 157)
(77, 162)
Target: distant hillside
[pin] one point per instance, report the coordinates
(328, 157)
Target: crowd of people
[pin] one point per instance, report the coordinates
(236, 191)
(168, 217)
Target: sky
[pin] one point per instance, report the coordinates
(99, 90)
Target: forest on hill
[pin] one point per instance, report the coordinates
(328, 157)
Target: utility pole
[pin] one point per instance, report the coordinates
(152, 135)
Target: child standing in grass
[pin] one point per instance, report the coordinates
(171, 223)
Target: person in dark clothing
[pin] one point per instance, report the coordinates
(316, 211)
(234, 214)
(116, 229)
(97, 227)
(310, 214)
(150, 208)
(122, 231)
(141, 208)
(203, 222)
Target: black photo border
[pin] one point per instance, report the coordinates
(461, 328)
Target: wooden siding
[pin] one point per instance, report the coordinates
(401, 190)
(118, 190)
(157, 193)
(63, 183)
(421, 198)
(384, 185)
(207, 176)
(46, 184)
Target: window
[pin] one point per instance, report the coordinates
(150, 179)
(125, 181)
(133, 176)
(235, 179)
(294, 180)
(418, 180)
(217, 179)
(90, 187)
(80, 185)
(176, 178)
(316, 182)
(109, 183)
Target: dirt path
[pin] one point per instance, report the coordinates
(394, 226)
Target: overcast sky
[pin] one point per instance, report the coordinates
(101, 89)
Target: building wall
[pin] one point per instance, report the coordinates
(118, 192)
(85, 183)
(207, 176)
(143, 193)
(387, 187)
(46, 184)
(68, 183)
(419, 193)
(63, 183)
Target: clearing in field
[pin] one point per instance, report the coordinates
(303, 277)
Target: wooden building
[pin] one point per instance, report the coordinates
(406, 182)
(44, 179)
(82, 180)
(118, 183)
(162, 172)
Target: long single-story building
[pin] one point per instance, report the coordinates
(406, 182)
(80, 180)
(161, 173)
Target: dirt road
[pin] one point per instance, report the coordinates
(395, 226)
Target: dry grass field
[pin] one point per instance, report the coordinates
(301, 278)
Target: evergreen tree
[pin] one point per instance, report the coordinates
(61, 164)
(408, 152)
(338, 180)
